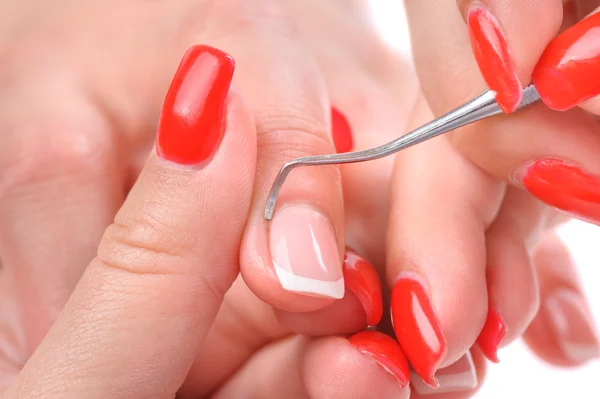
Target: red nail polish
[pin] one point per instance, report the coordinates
(563, 186)
(362, 280)
(342, 134)
(385, 351)
(191, 122)
(417, 327)
(493, 56)
(492, 334)
(567, 73)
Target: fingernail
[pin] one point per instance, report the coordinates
(572, 325)
(567, 73)
(191, 122)
(563, 186)
(458, 377)
(340, 129)
(417, 327)
(493, 56)
(362, 280)
(492, 334)
(385, 351)
(305, 253)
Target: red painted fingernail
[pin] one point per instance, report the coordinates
(385, 351)
(492, 334)
(362, 280)
(191, 122)
(417, 327)
(567, 72)
(563, 186)
(340, 129)
(493, 56)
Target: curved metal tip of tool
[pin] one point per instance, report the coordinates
(274, 193)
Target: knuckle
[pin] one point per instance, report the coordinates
(140, 250)
(242, 19)
(293, 134)
(45, 153)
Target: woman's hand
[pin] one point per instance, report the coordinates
(81, 85)
(145, 308)
(85, 96)
(462, 229)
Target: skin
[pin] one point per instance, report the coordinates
(73, 192)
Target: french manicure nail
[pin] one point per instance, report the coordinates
(385, 351)
(563, 186)
(191, 122)
(362, 280)
(567, 72)
(305, 252)
(492, 334)
(417, 327)
(572, 325)
(493, 56)
(458, 377)
(341, 132)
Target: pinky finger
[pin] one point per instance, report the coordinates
(563, 332)
(368, 365)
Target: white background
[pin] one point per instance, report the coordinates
(520, 374)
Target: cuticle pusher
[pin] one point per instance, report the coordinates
(481, 107)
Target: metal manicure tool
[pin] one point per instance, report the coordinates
(481, 107)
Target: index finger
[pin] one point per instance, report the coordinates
(135, 322)
(499, 47)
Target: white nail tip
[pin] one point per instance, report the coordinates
(458, 377)
(304, 285)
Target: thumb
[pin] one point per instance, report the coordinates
(135, 322)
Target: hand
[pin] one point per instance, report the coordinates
(79, 106)
(462, 230)
(146, 306)
(80, 173)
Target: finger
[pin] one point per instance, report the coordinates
(502, 42)
(520, 145)
(441, 205)
(511, 279)
(293, 262)
(373, 91)
(60, 187)
(371, 104)
(566, 74)
(144, 305)
(563, 332)
(369, 364)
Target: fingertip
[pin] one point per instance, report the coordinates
(261, 277)
(361, 306)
